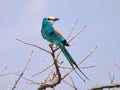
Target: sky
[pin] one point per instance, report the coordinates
(23, 18)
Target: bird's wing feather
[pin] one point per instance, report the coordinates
(57, 32)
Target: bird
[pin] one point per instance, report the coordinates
(49, 33)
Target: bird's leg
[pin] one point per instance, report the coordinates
(51, 47)
(54, 48)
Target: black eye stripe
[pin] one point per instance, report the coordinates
(49, 19)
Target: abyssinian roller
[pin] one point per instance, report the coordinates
(52, 35)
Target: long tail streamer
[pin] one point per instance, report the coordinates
(71, 60)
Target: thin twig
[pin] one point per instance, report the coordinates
(33, 82)
(80, 67)
(33, 45)
(73, 28)
(117, 65)
(5, 74)
(42, 70)
(3, 70)
(73, 86)
(110, 76)
(23, 71)
(73, 83)
(89, 54)
(68, 83)
(88, 67)
(2, 83)
(48, 77)
(77, 34)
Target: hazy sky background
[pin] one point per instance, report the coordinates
(22, 19)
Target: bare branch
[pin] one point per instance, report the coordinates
(110, 76)
(80, 67)
(88, 55)
(73, 28)
(52, 85)
(42, 70)
(106, 86)
(23, 71)
(34, 45)
(56, 76)
(77, 34)
(33, 82)
(88, 67)
(117, 65)
(73, 83)
(3, 70)
(5, 74)
(68, 83)
(48, 78)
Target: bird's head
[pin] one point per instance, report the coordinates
(49, 20)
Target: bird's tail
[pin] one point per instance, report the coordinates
(71, 60)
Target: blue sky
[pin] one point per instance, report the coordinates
(22, 19)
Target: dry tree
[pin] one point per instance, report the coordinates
(55, 78)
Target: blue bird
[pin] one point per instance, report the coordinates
(50, 34)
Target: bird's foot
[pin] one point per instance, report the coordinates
(51, 45)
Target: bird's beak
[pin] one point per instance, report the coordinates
(56, 19)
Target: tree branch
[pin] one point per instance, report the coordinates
(77, 34)
(42, 70)
(33, 45)
(52, 85)
(106, 86)
(73, 28)
(89, 54)
(23, 71)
